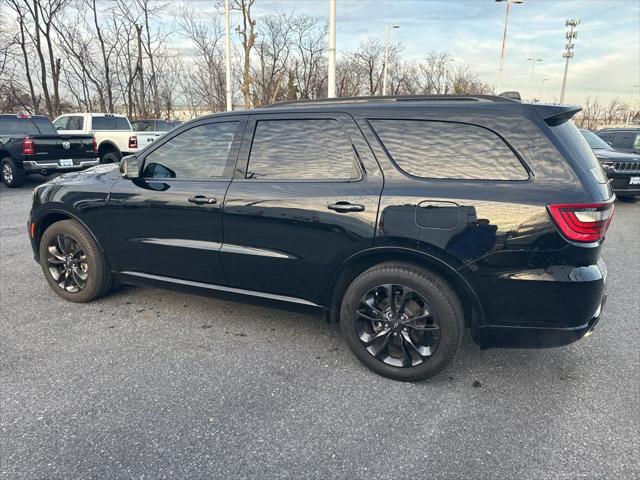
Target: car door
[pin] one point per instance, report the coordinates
(304, 198)
(168, 222)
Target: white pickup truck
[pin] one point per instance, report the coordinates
(112, 132)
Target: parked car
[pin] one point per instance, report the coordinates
(623, 169)
(622, 139)
(154, 125)
(29, 144)
(112, 132)
(405, 218)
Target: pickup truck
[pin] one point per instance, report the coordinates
(112, 132)
(30, 144)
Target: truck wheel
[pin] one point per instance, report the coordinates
(11, 175)
(110, 157)
(401, 321)
(72, 262)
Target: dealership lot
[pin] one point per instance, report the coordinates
(155, 384)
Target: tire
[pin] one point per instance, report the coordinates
(11, 175)
(433, 342)
(111, 157)
(89, 262)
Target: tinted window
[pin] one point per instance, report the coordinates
(579, 149)
(110, 123)
(198, 153)
(12, 125)
(44, 125)
(164, 126)
(301, 150)
(624, 139)
(595, 141)
(448, 150)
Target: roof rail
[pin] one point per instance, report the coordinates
(391, 99)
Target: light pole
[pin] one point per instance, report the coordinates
(444, 78)
(227, 55)
(533, 64)
(386, 56)
(331, 88)
(542, 87)
(504, 37)
(568, 51)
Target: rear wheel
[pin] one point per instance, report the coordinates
(11, 175)
(72, 263)
(401, 321)
(110, 157)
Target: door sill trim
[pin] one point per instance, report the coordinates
(219, 288)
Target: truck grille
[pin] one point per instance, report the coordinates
(627, 167)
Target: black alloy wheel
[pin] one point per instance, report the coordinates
(396, 325)
(67, 263)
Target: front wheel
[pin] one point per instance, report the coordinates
(72, 262)
(401, 321)
(11, 175)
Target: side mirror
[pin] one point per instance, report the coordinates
(130, 167)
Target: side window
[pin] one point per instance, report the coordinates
(442, 150)
(122, 123)
(61, 123)
(624, 140)
(301, 149)
(75, 123)
(103, 123)
(201, 152)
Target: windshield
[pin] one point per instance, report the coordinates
(594, 141)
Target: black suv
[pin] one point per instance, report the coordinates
(406, 219)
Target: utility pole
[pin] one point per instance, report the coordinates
(227, 55)
(386, 57)
(331, 87)
(570, 35)
(504, 38)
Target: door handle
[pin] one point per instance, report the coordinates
(346, 207)
(202, 200)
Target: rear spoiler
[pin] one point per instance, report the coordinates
(556, 114)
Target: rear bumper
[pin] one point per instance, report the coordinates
(493, 336)
(33, 166)
(548, 308)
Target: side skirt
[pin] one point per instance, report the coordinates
(144, 279)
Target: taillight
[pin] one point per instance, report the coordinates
(95, 145)
(28, 148)
(582, 222)
(133, 141)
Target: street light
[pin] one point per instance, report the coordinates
(386, 56)
(504, 37)
(542, 87)
(533, 64)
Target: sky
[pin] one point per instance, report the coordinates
(606, 61)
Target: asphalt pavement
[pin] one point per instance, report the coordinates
(153, 384)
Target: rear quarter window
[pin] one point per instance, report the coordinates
(447, 150)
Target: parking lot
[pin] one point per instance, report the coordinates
(154, 384)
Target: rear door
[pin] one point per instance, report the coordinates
(169, 222)
(303, 199)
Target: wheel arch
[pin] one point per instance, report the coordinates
(107, 146)
(48, 218)
(352, 267)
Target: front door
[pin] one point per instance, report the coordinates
(168, 222)
(304, 198)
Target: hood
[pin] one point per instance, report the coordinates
(100, 173)
(613, 155)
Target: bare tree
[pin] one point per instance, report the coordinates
(591, 114)
(248, 36)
